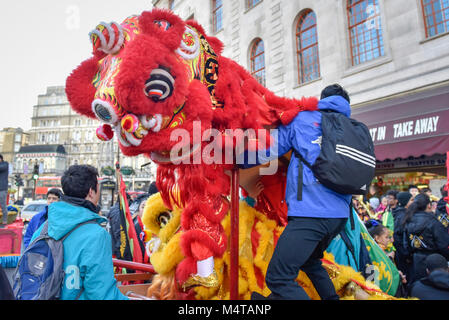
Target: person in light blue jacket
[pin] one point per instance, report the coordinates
(88, 267)
(314, 220)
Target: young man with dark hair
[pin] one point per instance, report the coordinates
(39, 219)
(89, 273)
(392, 198)
(152, 189)
(335, 90)
(388, 215)
(4, 172)
(414, 190)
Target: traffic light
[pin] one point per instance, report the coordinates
(18, 180)
(36, 172)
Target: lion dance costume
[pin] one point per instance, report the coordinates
(153, 76)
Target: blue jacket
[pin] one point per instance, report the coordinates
(34, 224)
(304, 134)
(87, 253)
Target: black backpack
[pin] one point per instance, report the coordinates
(347, 161)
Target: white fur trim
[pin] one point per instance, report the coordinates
(148, 124)
(120, 40)
(156, 244)
(111, 35)
(158, 126)
(192, 52)
(133, 140)
(164, 73)
(102, 39)
(109, 47)
(205, 267)
(118, 132)
(114, 118)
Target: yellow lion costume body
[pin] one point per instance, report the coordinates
(257, 240)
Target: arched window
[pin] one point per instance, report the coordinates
(365, 30)
(436, 16)
(258, 61)
(307, 48)
(171, 4)
(251, 3)
(217, 14)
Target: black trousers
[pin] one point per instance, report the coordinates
(300, 247)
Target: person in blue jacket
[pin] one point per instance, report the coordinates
(89, 272)
(53, 195)
(39, 219)
(315, 220)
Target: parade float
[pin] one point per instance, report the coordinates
(162, 87)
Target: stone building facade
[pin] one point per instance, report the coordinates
(11, 140)
(391, 56)
(54, 122)
(411, 61)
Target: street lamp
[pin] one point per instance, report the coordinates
(35, 178)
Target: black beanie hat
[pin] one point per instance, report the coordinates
(436, 261)
(403, 198)
(152, 189)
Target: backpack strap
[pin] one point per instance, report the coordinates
(300, 183)
(67, 235)
(79, 294)
(301, 168)
(351, 217)
(349, 245)
(43, 235)
(79, 225)
(300, 172)
(44, 230)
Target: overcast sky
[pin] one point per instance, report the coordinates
(42, 42)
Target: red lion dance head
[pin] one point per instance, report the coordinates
(154, 74)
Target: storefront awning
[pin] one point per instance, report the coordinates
(411, 126)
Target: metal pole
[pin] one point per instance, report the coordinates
(447, 168)
(234, 265)
(34, 189)
(133, 266)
